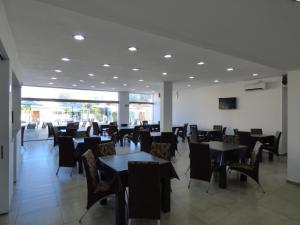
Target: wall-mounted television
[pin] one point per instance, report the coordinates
(227, 103)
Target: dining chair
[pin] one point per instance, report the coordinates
(251, 169)
(256, 131)
(92, 143)
(134, 136)
(50, 130)
(182, 133)
(71, 132)
(161, 150)
(231, 139)
(273, 148)
(144, 191)
(200, 163)
(145, 141)
(246, 139)
(96, 189)
(105, 149)
(96, 130)
(169, 137)
(88, 131)
(67, 154)
(217, 127)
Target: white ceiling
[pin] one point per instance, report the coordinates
(43, 34)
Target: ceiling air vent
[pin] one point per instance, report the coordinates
(255, 86)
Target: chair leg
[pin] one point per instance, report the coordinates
(80, 220)
(57, 170)
(189, 185)
(209, 183)
(158, 222)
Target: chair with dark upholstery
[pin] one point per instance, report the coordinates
(182, 133)
(112, 129)
(92, 143)
(272, 148)
(246, 139)
(96, 130)
(161, 150)
(200, 163)
(105, 149)
(217, 127)
(144, 191)
(169, 137)
(195, 137)
(71, 132)
(67, 154)
(251, 168)
(134, 136)
(231, 139)
(88, 131)
(97, 189)
(146, 141)
(50, 130)
(256, 131)
(56, 135)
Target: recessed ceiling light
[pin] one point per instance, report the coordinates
(91, 74)
(141, 80)
(124, 85)
(115, 77)
(164, 73)
(65, 59)
(147, 86)
(79, 37)
(106, 65)
(216, 81)
(92, 86)
(230, 69)
(81, 81)
(53, 78)
(200, 63)
(167, 56)
(256, 74)
(132, 48)
(191, 77)
(50, 83)
(102, 82)
(189, 85)
(113, 88)
(74, 85)
(135, 69)
(153, 91)
(57, 71)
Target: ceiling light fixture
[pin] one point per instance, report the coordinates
(79, 37)
(81, 81)
(132, 48)
(65, 59)
(147, 86)
(92, 86)
(216, 81)
(115, 77)
(189, 85)
(135, 69)
(141, 80)
(113, 88)
(57, 71)
(229, 69)
(164, 73)
(191, 77)
(167, 56)
(125, 85)
(50, 83)
(200, 63)
(74, 85)
(106, 65)
(53, 78)
(256, 74)
(91, 74)
(102, 82)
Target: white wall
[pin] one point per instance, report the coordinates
(293, 173)
(256, 109)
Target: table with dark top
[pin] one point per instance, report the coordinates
(80, 148)
(223, 152)
(118, 165)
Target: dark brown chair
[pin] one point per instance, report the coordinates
(92, 143)
(71, 132)
(273, 148)
(112, 129)
(250, 169)
(67, 154)
(88, 131)
(56, 135)
(217, 127)
(97, 189)
(200, 163)
(256, 131)
(105, 149)
(135, 135)
(161, 150)
(169, 137)
(246, 139)
(50, 130)
(96, 130)
(144, 190)
(182, 133)
(146, 141)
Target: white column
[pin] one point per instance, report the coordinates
(293, 171)
(166, 107)
(123, 114)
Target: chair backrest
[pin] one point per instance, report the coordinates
(185, 127)
(96, 130)
(88, 131)
(254, 161)
(136, 133)
(105, 149)
(115, 137)
(146, 141)
(218, 127)
(193, 126)
(231, 139)
(245, 138)
(91, 172)
(200, 161)
(277, 141)
(194, 134)
(50, 129)
(144, 190)
(112, 129)
(92, 143)
(71, 132)
(256, 131)
(161, 150)
(169, 137)
(66, 151)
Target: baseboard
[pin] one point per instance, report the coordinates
(293, 182)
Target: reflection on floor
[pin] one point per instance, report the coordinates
(41, 198)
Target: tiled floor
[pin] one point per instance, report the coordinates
(41, 198)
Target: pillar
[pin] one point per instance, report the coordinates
(166, 107)
(123, 114)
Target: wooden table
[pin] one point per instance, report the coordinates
(223, 150)
(118, 165)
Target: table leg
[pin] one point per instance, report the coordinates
(120, 208)
(222, 177)
(80, 167)
(165, 194)
(271, 156)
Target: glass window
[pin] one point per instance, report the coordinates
(134, 97)
(140, 112)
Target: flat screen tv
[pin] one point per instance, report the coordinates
(227, 103)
